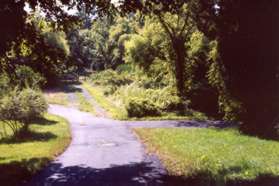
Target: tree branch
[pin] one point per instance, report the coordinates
(185, 24)
(165, 26)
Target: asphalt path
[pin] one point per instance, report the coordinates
(102, 152)
(106, 152)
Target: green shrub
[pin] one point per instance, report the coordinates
(110, 77)
(33, 104)
(4, 84)
(165, 98)
(138, 50)
(26, 77)
(141, 95)
(140, 107)
(111, 80)
(19, 108)
(124, 68)
(141, 102)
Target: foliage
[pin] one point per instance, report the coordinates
(44, 50)
(227, 104)
(50, 53)
(138, 94)
(102, 45)
(19, 108)
(139, 51)
(250, 62)
(110, 79)
(140, 107)
(151, 46)
(25, 77)
(4, 84)
(164, 99)
(212, 155)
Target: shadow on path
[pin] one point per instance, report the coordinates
(131, 174)
(66, 87)
(179, 124)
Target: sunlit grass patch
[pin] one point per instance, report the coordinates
(212, 154)
(20, 159)
(111, 108)
(83, 104)
(58, 98)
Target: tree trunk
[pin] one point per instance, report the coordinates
(178, 45)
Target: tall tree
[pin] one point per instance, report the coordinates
(179, 28)
(247, 33)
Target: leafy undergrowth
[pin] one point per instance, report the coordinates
(117, 110)
(20, 159)
(213, 154)
(83, 104)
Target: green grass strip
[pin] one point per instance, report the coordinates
(84, 105)
(224, 155)
(101, 99)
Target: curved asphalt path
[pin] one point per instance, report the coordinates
(106, 152)
(102, 152)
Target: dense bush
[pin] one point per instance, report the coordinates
(140, 102)
(110, 77)
(19, 108)
(140, 94)
(26, 77)
(139, 51)
(4, 84)
(140, 107)
(111, 80)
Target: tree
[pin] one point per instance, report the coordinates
(19, 108)
(178, 27)
(119, 33)
(101, 46)
(44, 49)
(13, 16)
(246, 34)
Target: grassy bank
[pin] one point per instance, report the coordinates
(112, 109)
(20, 159)
(210, 154)
(83, 104)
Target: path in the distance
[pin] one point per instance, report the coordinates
(106, 152)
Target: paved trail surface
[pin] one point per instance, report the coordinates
(106, 152)
(102, 152)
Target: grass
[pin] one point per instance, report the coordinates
(58, 98)
(172, 116)
(83, 104)
(213, 154)
(19, 160)
(101, 99)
